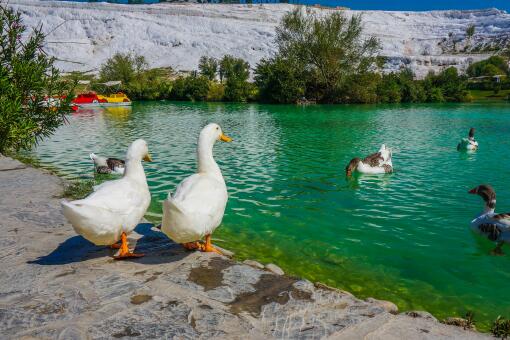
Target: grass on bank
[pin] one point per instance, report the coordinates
(76, 190)
(501, 328)
(490, 95)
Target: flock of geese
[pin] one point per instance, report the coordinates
(196, 209)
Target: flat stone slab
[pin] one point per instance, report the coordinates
(56, 285)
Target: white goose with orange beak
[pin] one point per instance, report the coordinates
(496, 227)
(116, 207)
(196, 208)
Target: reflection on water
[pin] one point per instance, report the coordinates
(403, 236)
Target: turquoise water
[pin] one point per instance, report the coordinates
(404, 237)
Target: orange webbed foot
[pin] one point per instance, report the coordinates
(191, 245)
(208, 247)
(124, 252)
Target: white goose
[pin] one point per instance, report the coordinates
(496, 227)
(115, 207)
(377, 163)
(469, 143)
(197, 207)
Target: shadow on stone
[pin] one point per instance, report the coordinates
(156, 246)
(74, 249)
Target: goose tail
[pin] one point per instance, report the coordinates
(173, 221)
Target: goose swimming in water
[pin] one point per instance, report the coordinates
(496, 227)
(116, 207)
(105, 165)
(469, 143)
(377, 163)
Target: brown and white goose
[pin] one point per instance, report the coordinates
(469, 143)
(105, 165)
(496, 227)
(377, 163)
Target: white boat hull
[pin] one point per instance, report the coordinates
(104, 104)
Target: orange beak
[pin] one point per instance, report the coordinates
(225, 138)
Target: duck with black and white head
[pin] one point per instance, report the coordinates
(496, 227)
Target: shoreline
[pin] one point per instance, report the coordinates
(56, 284)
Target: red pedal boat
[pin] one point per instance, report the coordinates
(89, 99)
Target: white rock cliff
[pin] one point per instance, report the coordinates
(84, 35)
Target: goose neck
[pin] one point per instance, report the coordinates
(206, 162)
(134, 170)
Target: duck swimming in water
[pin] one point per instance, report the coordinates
(377, 163)
(496, 227)
(469, 143)
(105, 165)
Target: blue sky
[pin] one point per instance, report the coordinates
(415, 5)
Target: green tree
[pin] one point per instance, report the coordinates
(150, 84)
(192, 88)
(451, 85)
(279, 80)
(360, 88)
(470, 31)
(208, 67)
(236, 72)
(488, 67)
(124, 67)
(388, 90)
(33, 97)
(331, 49)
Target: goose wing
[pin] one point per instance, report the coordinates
(115, 163)
(118, 197)
(374, 159)
(201, 195)
(503, 220)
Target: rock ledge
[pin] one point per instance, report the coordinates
(56, 285)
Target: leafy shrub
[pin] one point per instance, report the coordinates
(279, 80)
(501, 328)
(216, 92)
(27, 79)
(151, 84)
(489, 67)
(193, 88)
(453, 87)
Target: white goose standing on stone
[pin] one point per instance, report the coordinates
(197, 207)
(116, 207)
(496, 227)
(377, 163)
